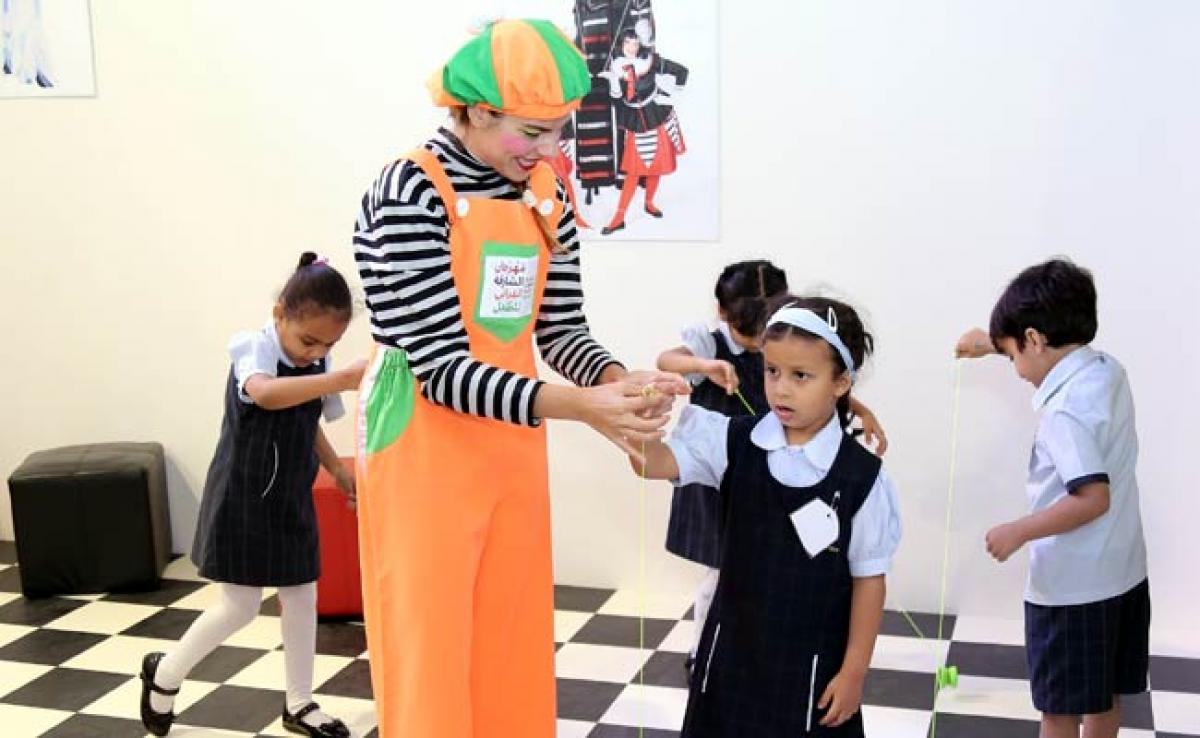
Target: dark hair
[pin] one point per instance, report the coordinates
(1056, 298)
(743, 291)
(850, 329)
(315, 287)
(629, 34)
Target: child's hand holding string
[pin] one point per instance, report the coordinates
(974, 344)
(660, 388)
(721, 373)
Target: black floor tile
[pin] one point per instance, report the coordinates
(1137, 711)
(580, 599)
(624, 731)
(235, 708)
(970, 726)
(907, 689)
(38, 612)
(665, 669)
(8, 552)
(340, 639)
(271, 606)
(579, 699)
(1175, 674)
(50, 647)
(66, 689)
(620, 630)
(895, 624)
(10, 580)
(94, 726)
(352, 681)
(224, 663)
(988, 660)
(170, 592)
(170, 624)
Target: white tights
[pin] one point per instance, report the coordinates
(237, 607)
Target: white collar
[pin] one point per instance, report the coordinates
(1067, 367)
(734, 347)
(273, 334)
(770, 435)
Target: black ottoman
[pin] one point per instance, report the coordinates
(91, 519)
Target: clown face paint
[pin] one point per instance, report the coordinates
(513, 146)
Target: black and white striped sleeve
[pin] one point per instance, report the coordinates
(562, 330)
(401, 247)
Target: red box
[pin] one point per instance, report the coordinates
(339, 590)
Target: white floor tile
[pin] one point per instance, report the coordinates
(119, 654)
(18, 720)
(909, 654)
(633, 603)
(123, 701)
(15, 674)
(894, 722)
(108, 618)
(269, 672)
(680, 638)
(988, 697)
(1175, 712)
(262, 632)
(648, 707)
(10, 633)
(574, 729)
(567, 624)
(599, 663)
(1174, 642)
(980, 629)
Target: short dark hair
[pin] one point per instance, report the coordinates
(315, 287)
(744, 290)
(1056, 298)
(850, 329)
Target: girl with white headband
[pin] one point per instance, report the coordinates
(810, 524)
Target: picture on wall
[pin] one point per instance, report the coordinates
(641, 156)
(46, 49)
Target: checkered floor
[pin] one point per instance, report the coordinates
(68, 667)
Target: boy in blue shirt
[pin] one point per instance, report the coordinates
(1087, 602)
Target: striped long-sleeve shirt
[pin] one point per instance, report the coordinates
(402, 248)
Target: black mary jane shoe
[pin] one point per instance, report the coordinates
(609, 230)
(295, 723)
(158, 723)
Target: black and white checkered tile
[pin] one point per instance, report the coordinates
(68, 667)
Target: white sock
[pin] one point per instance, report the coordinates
(234, 610)
(299, 625)
(704, 598)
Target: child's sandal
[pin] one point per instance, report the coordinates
(295, 723)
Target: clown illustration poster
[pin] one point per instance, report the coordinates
(641, 155)
(46, 49)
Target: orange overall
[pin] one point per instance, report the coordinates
(454, 511)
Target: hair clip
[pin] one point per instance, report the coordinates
(831, 319)
(321, 260)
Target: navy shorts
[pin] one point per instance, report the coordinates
(1080, 656)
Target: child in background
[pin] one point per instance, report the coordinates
(257, 525)
(1087, 602)
(721, 365)
(810, 524)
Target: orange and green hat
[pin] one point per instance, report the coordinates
(526, 67)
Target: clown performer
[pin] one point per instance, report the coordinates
(640, 81)
(469, 254)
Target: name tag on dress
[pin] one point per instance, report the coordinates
(817, 526)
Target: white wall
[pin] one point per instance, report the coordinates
(914, 155)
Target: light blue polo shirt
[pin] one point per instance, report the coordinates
(1086, 434)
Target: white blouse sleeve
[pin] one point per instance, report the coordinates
(699, 340)
(875, 530)
(331, 405)
(698, 444)
(252, 353)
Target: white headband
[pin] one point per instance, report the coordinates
(807, 320)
